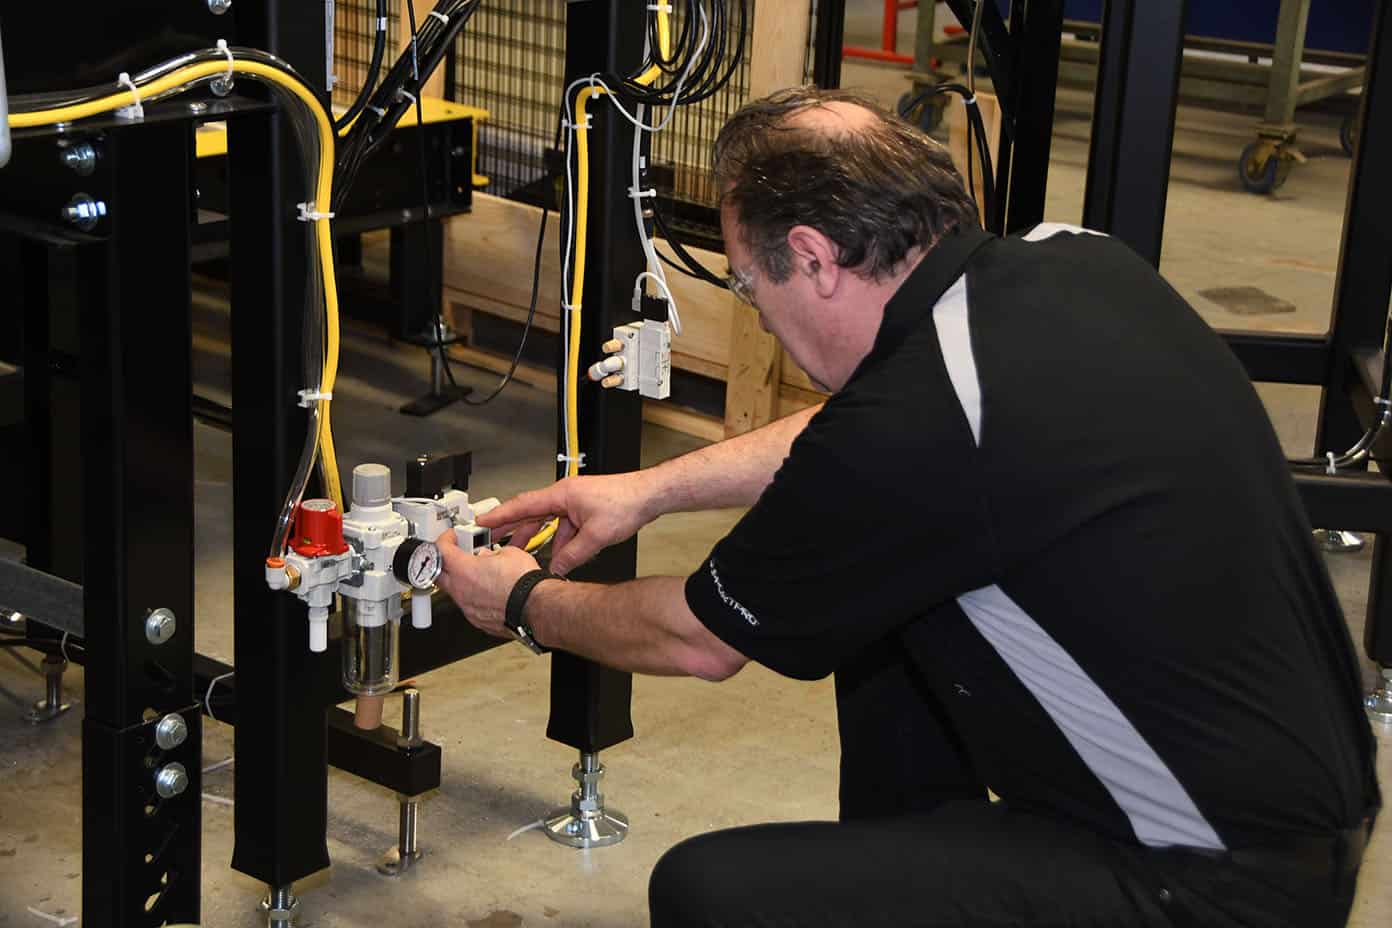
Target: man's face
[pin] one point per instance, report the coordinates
(782, 308)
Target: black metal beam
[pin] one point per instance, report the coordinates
(827, 43)
(1133, 121)
(378, 758)
(590, 705)
(1302, 359)
(1036, 42)
(137, 536)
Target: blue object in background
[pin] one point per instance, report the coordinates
(1335, 25)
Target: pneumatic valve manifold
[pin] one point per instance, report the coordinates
(382, 549)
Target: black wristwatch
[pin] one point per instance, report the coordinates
(517, 601)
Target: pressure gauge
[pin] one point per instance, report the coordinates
(417, 563)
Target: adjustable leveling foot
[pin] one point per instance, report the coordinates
(1379, 701)
(52, 705)
(587, 823)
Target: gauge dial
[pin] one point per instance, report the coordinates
(417, 563)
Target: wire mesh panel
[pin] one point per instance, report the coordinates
(511, 62)
(355, 28)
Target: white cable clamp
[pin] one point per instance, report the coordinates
(222, 47)
(1332, 469)
(134, 110)
(637, 194)
(382, 24)
(307, 213)
(567, 459)
(402, 93)
(438, 15)
(660, 8)
(969, 101)
(208, 696)
(570, 307)
(313, 396)
(587, 124)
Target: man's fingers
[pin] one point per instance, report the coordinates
(578, 550)
(523, 532)
(526, 507)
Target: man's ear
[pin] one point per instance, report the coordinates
(814, 255)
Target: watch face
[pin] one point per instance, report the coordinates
(423, 566)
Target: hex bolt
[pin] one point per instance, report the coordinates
(159, 626)
(218, 7)
(82, 158)
(84, 212)
(171, 780)
(171, 732)
(220, 86)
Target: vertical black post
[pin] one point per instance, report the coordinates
(828, 41)
(418, 295)
(141, 802)
(589, 703)
(1360, 298)
(1133, 121)
(282, 768)
(1037, 30)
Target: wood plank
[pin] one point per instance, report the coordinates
(489, 262)
(957, 134)
(666, 414)
(778, 48)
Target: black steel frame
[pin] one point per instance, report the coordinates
(1128, 173)
(111, 504)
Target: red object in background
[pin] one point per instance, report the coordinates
(889, 37)
(318, 529)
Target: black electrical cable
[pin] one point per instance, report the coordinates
(379, 46)
(694, 268)
(975, 128)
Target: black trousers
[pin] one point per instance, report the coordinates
(919, 844)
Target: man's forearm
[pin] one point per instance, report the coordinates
(728, 473)
(642, 626)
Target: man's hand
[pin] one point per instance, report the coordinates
(594, 513)
(480, 583)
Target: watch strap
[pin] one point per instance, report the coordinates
(517, 602)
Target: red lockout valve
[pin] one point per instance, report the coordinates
(318, 529)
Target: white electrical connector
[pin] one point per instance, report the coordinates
(640, 359)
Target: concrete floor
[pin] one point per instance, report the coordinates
(757, 748)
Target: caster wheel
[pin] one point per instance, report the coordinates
(1262, 168)
(1348, 133)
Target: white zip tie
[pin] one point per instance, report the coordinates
(208, 696)
(639, 194)
(312, 396)
(660, 8)
(134, 110)
(567, 459)
(438, 15)
(222, 47)
(570, 307)
(587, 124)
(309, 214)
(1332, 469)
(402, 92)
(378, 110)
(382, 24)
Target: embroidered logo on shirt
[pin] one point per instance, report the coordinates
(729, 600)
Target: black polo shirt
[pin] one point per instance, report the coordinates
(1056, 486)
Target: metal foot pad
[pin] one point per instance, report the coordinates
(1337, 542)
(1379, 701)
(600, 829)
(41, 712)
(394, 864)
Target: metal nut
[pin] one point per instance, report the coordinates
(220, 86)
(171, 732)
(171, 780)
(160, 626)
(82, 158)
(218, 7)
(84, 212)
